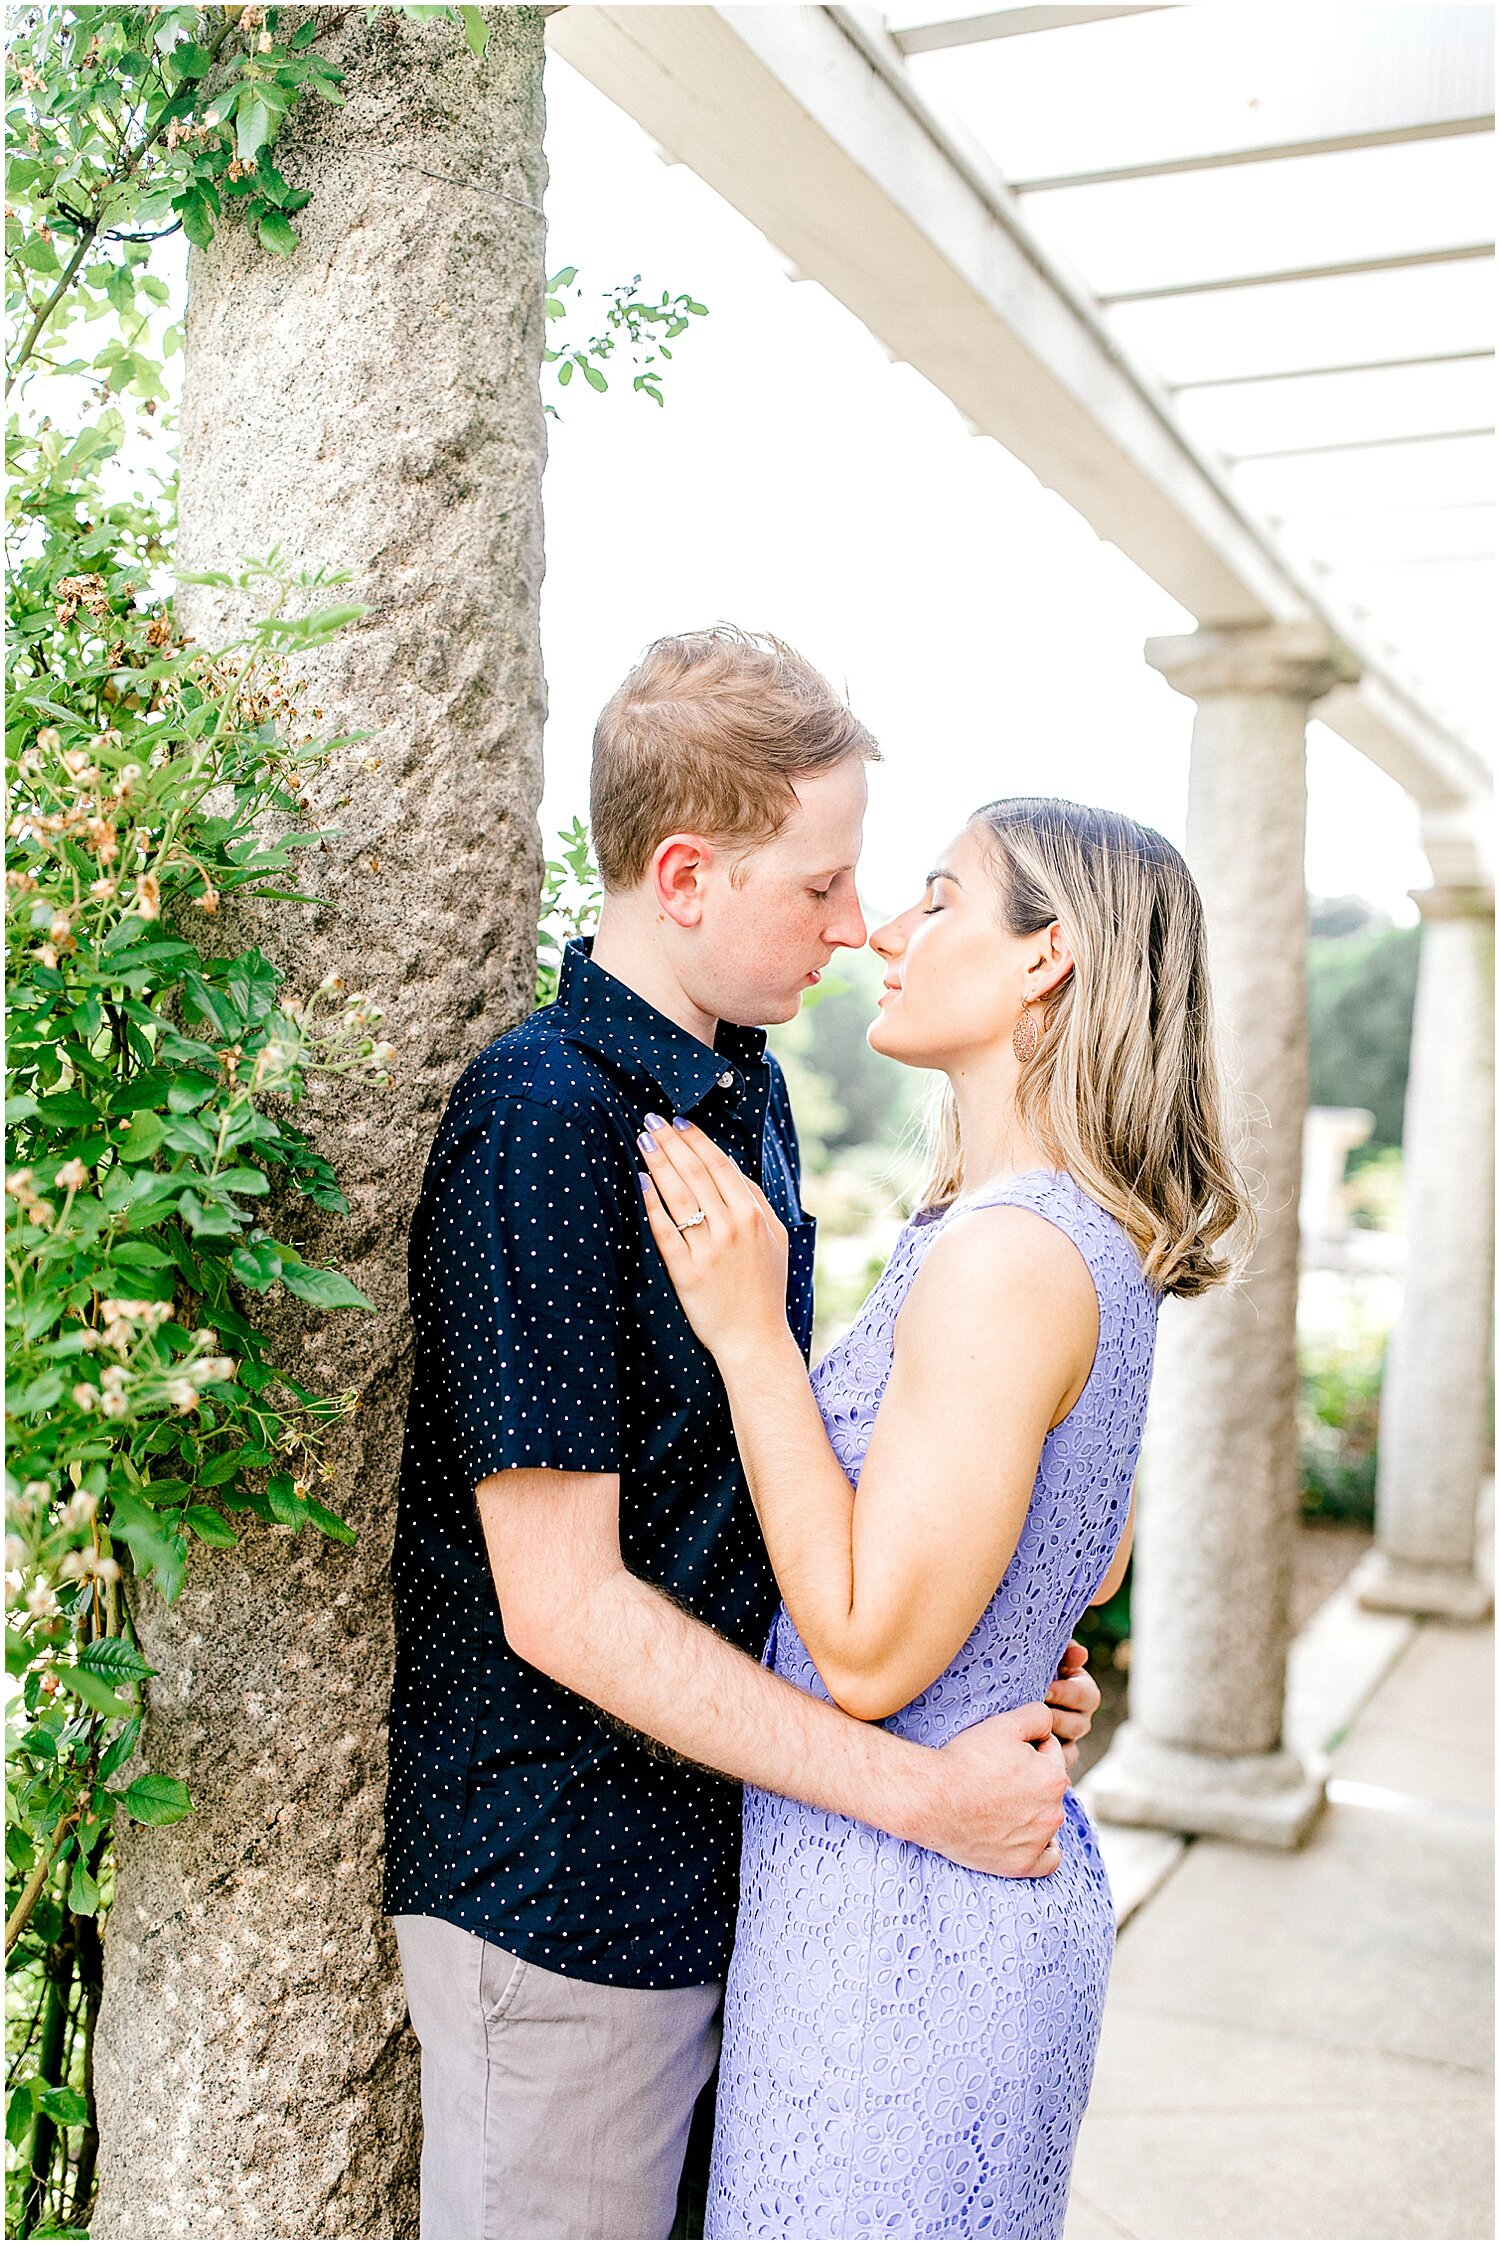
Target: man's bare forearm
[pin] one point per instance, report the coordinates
(647, 1663)
(574, 1611)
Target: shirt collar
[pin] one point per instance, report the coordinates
(609, 1017)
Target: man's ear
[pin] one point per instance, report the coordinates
(680, 867)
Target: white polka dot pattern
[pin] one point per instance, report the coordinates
(548, 1334)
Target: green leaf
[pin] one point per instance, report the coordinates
(83, 1894)
(205, 1222)
(258, 1266)
(66, 1107)
(118, 1753)
(255, 124)
(156, 1800)
(93, 1691)
(68, 2107)
(197, 214)
(329, 1522)
(189, 1091)
(277, 233)
(286, 1506)
(222, 1468)
(39, 1396)
(156, 1550)
(115, 1659)
(190, 60)
(143, 1138)
(329, 1290)
(592, 375)
(209, 1528)
(18, 2110)
(141, 1253)
(476, 30)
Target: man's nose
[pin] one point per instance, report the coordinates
(848, 931)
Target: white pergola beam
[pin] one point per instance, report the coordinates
(1309, 373)
(1271, 152)
(1452, 253)
(805, 119)
(1000, 23)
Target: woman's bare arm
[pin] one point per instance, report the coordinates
(993, 1346)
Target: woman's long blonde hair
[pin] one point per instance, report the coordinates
(1124, 1090)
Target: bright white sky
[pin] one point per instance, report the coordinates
(799, 482)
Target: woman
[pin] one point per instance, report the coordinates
(908, 2045)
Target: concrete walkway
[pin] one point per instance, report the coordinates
(1299, 2046)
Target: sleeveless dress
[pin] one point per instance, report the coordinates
(908, 2045)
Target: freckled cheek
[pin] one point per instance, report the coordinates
(782, 940)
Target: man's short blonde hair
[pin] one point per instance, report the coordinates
(707, 735)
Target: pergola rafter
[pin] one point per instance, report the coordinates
(1453, 253)
(1306, 373)
(1220, 159)
(1001, 23)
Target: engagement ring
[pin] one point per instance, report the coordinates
(688, 1222)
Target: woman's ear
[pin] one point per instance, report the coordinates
(1052, 964)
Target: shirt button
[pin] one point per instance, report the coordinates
(728, 1080)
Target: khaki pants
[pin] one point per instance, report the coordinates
(551, 2106)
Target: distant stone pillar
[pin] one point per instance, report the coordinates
(1434, 1399)
(1203, 1750)
(370, 401)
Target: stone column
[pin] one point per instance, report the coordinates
(1203, 1751)
(370, 401)
(1434, 1417)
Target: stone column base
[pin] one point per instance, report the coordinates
(1269, 1800)
(1405, 1586)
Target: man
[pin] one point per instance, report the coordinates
(581, 1589)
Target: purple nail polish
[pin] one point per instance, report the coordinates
(645, 1180)
(647, 1142)
(679, 1123)
(656, 1122)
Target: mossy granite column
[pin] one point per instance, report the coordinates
(370, 401)
(1434, 1408)
(1203, 1750)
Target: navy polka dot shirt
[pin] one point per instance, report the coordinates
(548, 1334)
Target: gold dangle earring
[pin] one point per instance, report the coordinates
(1025, 1037)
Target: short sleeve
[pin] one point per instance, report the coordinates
(514, 1286)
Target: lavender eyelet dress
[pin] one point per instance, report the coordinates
(908, 2045)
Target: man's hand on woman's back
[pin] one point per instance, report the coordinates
(999, 1796)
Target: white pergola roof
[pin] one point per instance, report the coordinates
(1219, 274)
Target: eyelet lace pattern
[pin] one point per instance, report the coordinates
(908, 2045)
